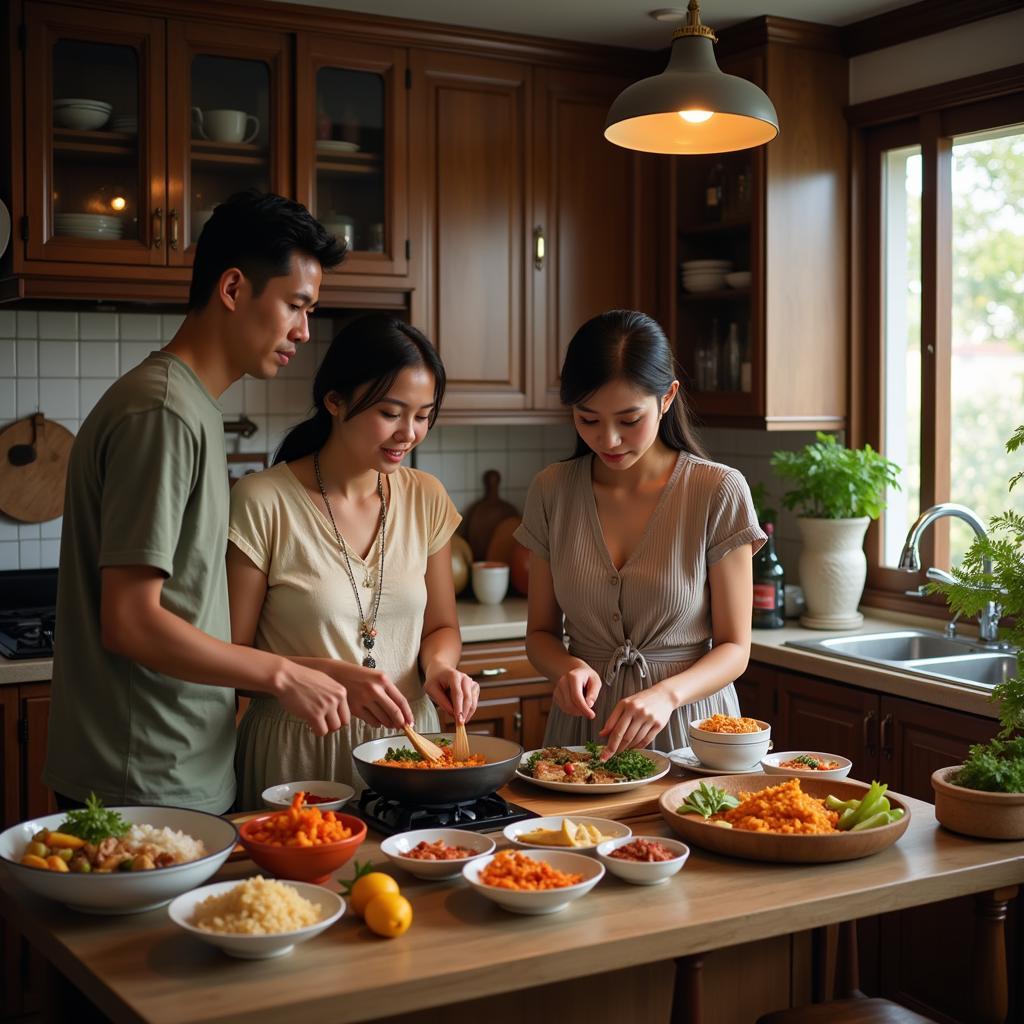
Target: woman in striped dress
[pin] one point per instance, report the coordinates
(644, 545)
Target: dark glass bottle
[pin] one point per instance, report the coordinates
(714, 193)
(769, 585)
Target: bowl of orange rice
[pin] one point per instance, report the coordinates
(535, 882)
(730, 743)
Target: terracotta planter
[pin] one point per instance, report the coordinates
(975, 812)
(832, 571)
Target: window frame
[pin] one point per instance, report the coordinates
(931, 119)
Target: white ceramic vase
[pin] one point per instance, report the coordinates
(832, 571)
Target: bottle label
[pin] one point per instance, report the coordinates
(712, 195)
(766, 596)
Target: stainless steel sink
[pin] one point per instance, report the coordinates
(923, 653)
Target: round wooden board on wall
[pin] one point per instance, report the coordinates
(34, 493)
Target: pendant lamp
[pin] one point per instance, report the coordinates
(692, 106)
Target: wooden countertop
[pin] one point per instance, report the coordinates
(462, 946)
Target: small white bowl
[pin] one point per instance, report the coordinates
(729, 751)
(607, 827)
(541, 901)
(771, 765)
(702, 284)
(82, 115)
(395, 847)
(281, 796)
(738, 279)
(638, 872)
(257, 947)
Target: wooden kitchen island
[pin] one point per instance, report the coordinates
(622, 952)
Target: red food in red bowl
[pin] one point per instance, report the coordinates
(302, 863)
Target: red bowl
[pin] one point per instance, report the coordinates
(302, 863)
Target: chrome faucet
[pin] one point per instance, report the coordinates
(910, 560)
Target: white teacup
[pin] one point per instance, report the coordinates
(225, 125)
(490, 581)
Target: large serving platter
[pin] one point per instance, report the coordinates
(662, 763)
(771, 846)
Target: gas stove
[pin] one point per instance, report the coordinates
(28, 601)
(388, 816)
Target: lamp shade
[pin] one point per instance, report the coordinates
(669, 113)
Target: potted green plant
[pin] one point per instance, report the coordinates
(837, 491)
(984, 796)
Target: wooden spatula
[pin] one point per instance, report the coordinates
(424, 747)
(460, 748)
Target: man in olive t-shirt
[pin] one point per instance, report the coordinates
(144, 672)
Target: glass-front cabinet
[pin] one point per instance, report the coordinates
(94, 145)
(350, 115)
(227, 123)
(137, 127)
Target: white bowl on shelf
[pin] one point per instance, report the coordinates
(80, 114)
(607, 827)
(641, 872)
(723, 265)
(257, 947)
(539, 901)
(123, 892)
(396, 847)
(280, 796)
(738, 279)
(703, 284)
(730, 751)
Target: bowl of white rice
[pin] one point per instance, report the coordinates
(256, 918)
(199, 842)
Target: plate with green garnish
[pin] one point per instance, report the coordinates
(579, 769)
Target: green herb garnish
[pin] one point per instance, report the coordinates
(402, 754)
(706, 800)
(811, 762)
(994, 767)
(633, 764)
(94, 823)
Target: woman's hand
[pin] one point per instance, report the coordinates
(576, 691)
(636, 720)
(372, 696)
(453, 691)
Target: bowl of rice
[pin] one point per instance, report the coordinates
(257, 918)
(197, 842)
(730, 743)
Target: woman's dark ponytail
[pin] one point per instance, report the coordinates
(624, 344)
(365, 357)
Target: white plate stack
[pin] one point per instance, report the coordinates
(126, 123)
(704, 275)
(82, 115)
(88, 225)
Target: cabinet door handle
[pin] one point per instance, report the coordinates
(158, 227)
(886, 736)
(539, 247)
(490, 673)
(172, 223)
(517, 718)
(869, 721)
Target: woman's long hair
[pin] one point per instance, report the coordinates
(368, 353)
(623, 344)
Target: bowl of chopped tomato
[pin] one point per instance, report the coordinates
(643, 860)
(328, 796)
(434, 853)
(807, 764)
(533, 883)
(302, 843)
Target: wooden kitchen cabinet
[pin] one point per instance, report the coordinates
(515, 698)
(351, 117)
(771, 355)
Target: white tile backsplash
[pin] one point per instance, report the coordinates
(58, 397)
(58, 325)
(29, 554)
(28, 324)
(7, 364)
(27, 357)
(10, 555)
(99, 327)
(8, 401)
(98, 359)
(8, 324)
(28, 397)
(140, 327)
(58, 358)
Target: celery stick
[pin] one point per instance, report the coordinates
(881, 818)
(833, 803)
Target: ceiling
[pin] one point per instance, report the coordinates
(613, 22)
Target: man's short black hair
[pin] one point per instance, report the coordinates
(258, 232)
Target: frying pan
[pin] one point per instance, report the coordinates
(437, 786)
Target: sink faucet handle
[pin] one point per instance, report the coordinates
(951, 626)
(921, 591)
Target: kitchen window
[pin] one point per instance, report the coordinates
(943, 337)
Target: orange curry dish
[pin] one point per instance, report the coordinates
(730, 724)
(784, 809)
(403, 757)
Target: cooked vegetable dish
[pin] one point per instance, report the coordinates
(560, 764)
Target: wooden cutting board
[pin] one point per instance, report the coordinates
(617, 806)
(484, 515)
(34, 493)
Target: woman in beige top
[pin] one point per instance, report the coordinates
(339, 558)
(644, 545)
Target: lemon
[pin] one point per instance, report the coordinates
(366, 887)
(388, 914)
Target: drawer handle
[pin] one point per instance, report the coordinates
(489, 673)
(539, 247)
(158, 227)
(869, 721)
(172, 218)
(886, 738)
